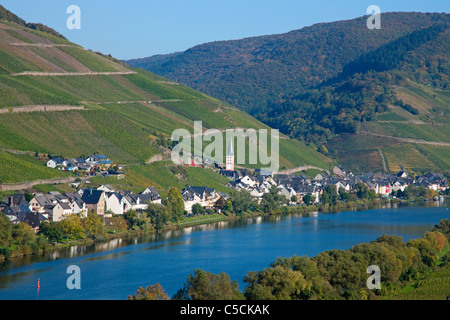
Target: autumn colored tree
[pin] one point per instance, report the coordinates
(437, 239)
(73, 227)
(176, 203)
(152, 292)
(94, 226)
(202, 285)
(275, 283)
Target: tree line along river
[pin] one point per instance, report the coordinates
(115, 269)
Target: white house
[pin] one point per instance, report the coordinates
(288, 192)
(78, 207)
(205, 196)
(153, 194)
(115, 203)
(53, 163)
(59, 211)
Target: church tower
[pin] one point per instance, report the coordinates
(230, 157)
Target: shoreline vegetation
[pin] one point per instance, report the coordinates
(417, 269)
(75, 231)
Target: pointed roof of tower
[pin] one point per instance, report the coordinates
(230, 148)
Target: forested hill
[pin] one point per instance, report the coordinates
(372, 99)
(251, 71)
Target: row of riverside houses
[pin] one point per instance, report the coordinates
(54, 206)
(104, 201)
(300, 185)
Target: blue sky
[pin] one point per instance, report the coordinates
(140, 28)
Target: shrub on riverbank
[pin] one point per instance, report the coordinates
(19, 239)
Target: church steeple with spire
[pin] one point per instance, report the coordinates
(230, 157)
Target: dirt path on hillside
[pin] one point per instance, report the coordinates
(40, 108)
(383, 161)
(29, 185)
(408, 140)
(297, 169)
(53, 74)
(47, 45)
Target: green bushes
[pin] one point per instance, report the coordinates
(342, 274)
(19, 239)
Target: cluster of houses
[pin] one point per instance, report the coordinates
(105, 201)
(80, 164)
(297, 186)
(55, 206)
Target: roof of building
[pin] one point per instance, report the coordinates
(91, 196)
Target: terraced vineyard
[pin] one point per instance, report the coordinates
(118, 111)
(411, 158)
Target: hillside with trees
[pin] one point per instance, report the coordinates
(333, 84)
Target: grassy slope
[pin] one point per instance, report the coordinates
(15, 167)
(124, 113)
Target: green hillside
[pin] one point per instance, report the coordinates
(253, 71)
(57, 98)
(373, 98)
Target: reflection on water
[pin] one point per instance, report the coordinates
(234, 246)
(80, 250)
(8, 280)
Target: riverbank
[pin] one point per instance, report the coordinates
(114, 269)
(185, 222)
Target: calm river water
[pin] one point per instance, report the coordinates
(116, 269)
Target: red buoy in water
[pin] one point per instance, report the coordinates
(38, 286)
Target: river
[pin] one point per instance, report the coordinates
(115, 269)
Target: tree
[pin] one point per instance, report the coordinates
(319, 288)
(241, 201)
(331, 190)
(5, 231)
(73, 227)
(23, 233)
(436, 239)
(307, 199)
(153, 292)
(176, 203)
(362, 190)
(159, 215)
(443, 227)
(427, 252)
(228, 207)
(275, 283)
(197, 209)
(343, 195)
(273, 199)
(116, 223)
(293, 198)
(202, 285)
(325, 198)
(53, 231)
(94, 226)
